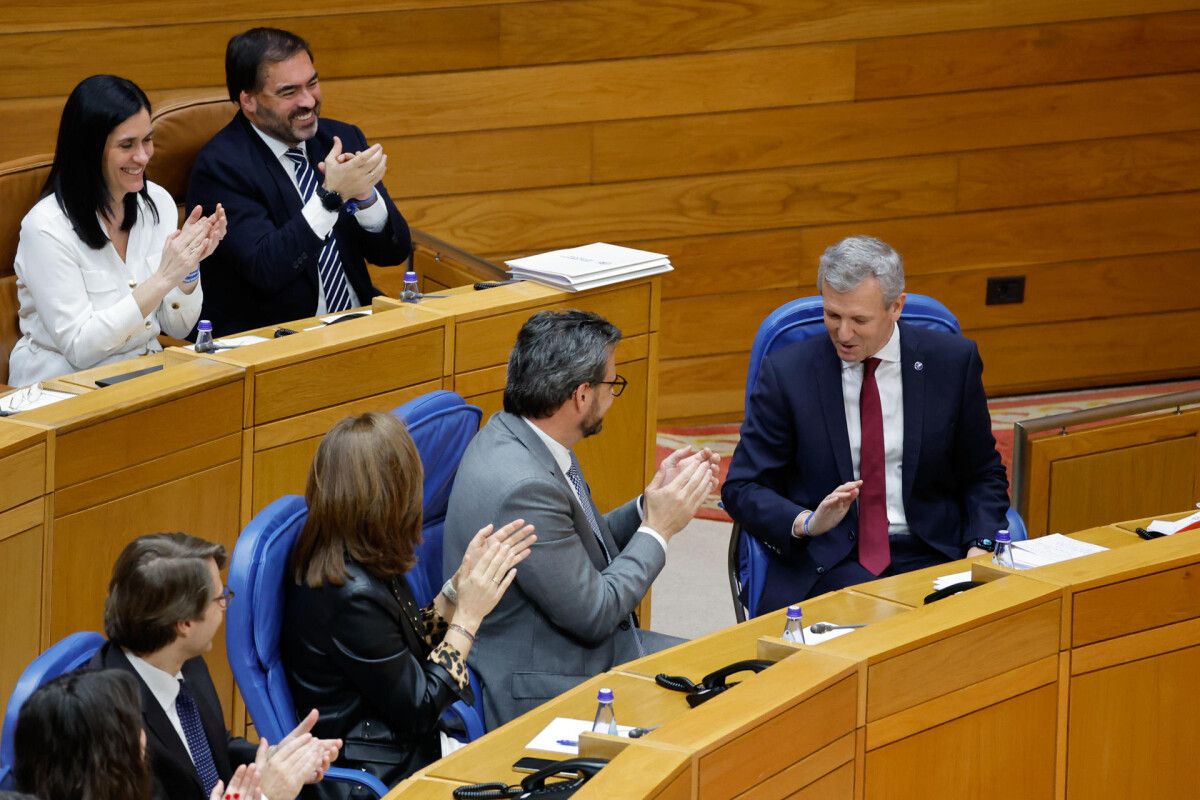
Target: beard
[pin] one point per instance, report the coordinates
(284, 129)
(592, 424)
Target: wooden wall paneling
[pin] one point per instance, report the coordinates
(546, 218)
(1092, 170)
(1074, 290)
(1118, 609)
(1148, 712)
(22, 552)
(1055, 53)
(709, 387)
(718, 323)
(1089, 353)
(81, 14)
(779, 137)
(487, 161)
(1013, 238)
(613, 89)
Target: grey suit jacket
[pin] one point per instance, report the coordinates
(565, 618)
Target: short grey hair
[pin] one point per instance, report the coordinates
(854, 259)
(556, 351)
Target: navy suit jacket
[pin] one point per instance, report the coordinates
(265, 269)
(175, 777)
(794, 450)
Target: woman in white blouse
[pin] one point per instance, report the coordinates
(101, 269)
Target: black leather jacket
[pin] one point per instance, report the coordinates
(356, 653)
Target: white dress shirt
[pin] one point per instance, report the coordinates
(562, 457)
(77, 308)
(165, 688)
(372, 218)
(891, 402)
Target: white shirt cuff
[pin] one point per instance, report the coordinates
(373, 218)
(319, 218)
(657, 536)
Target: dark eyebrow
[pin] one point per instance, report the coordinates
(286, 87)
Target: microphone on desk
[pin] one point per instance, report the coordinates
(826, 627)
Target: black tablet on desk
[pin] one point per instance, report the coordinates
(124, 376)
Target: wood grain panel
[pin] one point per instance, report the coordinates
(837, 784)
(20, 602)
(761, 139)
(1115, 610)
(486, 161)
(24, 15)
(1019, 237)
(717, 323)
(690, 206)
(24, 476)
(708, 386)
(956, 61)
(1091, 170)
(344, 45)
(1148, 712)
(1122, 484)
(594, 29)
(340, 377)
(1089, 352)
(822, 774)
(614, 89)
(965, 765)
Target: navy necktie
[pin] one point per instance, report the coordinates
(193, 729)
(575, 476)
(329, 264)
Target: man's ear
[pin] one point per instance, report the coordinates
(580, 396)
(182, 628)
(247, 102)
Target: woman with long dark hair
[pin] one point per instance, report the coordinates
(80, 737)
(355, 645)
(101, 268)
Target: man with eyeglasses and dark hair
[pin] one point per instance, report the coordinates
(165, 603)
(572, 616)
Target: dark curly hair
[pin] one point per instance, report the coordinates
(79, 737)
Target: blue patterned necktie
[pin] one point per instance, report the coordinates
(193, 729)
(575, 476)
(329, 264)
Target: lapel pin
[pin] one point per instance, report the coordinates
(918, 366)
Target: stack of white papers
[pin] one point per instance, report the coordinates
(1050, 550)
(586, 267)
(950, 580)
(562, 735)
(1188, 523)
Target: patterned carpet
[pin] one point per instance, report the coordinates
(1005, 411)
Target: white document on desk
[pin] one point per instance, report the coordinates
(811, 638)
(562, 734)
(1172, 528)
(951, 579)
(1051, 549)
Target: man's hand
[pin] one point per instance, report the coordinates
(671, 465)
(671, 503)
(832, 509)
(353, 176)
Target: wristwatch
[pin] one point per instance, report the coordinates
(331, 200)
(985, 544)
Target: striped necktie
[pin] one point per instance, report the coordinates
(329, 264)
(197, 742)
(575, 476)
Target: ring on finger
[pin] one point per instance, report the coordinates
(496, 581)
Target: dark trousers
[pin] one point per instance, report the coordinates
(908, 553)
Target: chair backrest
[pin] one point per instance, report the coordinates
(441, 424)
(793, 322)
(257, 572)
(181, 128)
(21, 183)
(64, 656)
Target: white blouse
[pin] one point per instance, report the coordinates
(77, 304)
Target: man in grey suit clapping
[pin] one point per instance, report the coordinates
(569, 615)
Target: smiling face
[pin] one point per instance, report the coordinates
(858, 320)
(199, 633)
(601, 400)
(289, 103)
(127, 151)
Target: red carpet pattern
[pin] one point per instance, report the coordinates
(1005, 411)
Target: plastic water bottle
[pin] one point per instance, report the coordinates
(204, 340)
(412, 292)
(606, 718)
(1003, 554)
(793, 631)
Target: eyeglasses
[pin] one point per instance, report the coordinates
(224, 598)
(618, 385)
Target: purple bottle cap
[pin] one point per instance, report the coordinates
(605, 695)
(410, 276)
(1002, 536)
(204, 325)
(793, 612)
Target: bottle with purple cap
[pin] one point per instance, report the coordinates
(606, 717)
(793, 630)
(412, 291)
(1003, 555)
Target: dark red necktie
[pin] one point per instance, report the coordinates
(873, 551)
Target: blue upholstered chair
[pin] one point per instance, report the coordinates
(63, 656)
(441, 424)
(790, 323)
(257, 572)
